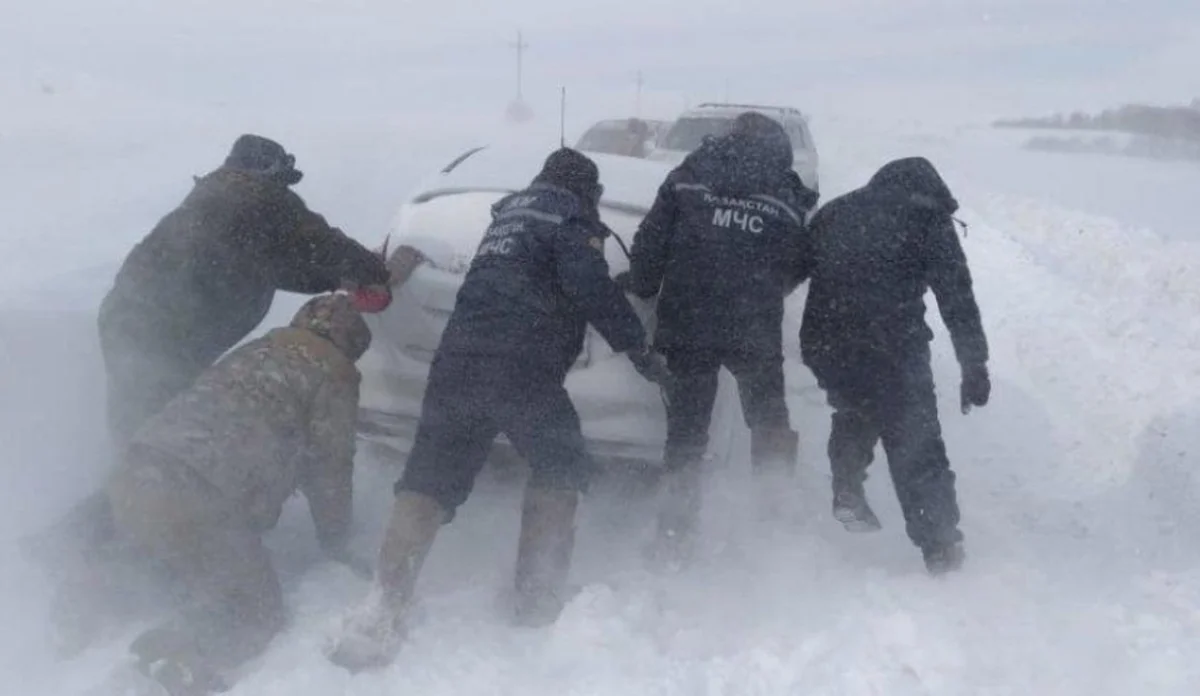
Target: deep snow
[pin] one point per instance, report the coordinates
(1079, 502)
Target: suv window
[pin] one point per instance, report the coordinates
(688, 133)
(617, 141)
(796, 133)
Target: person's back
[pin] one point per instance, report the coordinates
(718, 243)
(879, 250)
(249, 423)
(532, 287)
(208, 271)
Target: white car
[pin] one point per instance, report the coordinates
(623, 416)
(694, 125)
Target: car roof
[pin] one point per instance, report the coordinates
(630, 183)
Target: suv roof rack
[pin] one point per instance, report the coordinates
(720, 105)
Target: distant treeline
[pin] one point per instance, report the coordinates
(1140, 146)
(1173, 122)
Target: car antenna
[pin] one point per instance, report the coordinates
(562, 118)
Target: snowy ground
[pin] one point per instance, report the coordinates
(1079, 501)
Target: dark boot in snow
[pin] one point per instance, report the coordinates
(372, 635)
(544, 554)
(944, 558)
(170, 656)
(850, 507)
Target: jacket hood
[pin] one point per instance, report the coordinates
(334, 318)
(751, 157)
(918, 180)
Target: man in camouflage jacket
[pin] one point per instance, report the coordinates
(205, 478)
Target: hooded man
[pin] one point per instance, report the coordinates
(879, 250)
(722, 246)
(207, 477)
(539, 277)
(206, 275)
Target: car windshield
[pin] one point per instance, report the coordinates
(688, 133)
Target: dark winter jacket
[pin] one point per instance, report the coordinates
(723, 244)
(538, 278)
(879, 249)
(206, 275)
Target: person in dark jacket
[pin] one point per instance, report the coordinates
(864, 336)
(206, 275)
(538, 278)
(722, 246)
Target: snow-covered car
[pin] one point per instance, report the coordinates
(632, 137)
(694, 125)
(623, 416)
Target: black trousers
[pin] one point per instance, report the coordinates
(759, 375)
(892, 399)
(468, 402)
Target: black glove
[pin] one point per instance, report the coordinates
(976, 386)
(624, 280)
(651, 366)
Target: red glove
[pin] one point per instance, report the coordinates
(372, 299)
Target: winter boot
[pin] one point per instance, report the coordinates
(850, 507)
(372, 635)
(544, 554)
(944, 558)
(169, 656)
(678, 516)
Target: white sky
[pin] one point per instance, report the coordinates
(976, 58)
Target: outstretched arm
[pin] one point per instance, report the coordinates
(313, 257)
(328, 484)
(583, 275)
(950, 278)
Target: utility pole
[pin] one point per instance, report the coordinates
(518, 110)
(520, 46)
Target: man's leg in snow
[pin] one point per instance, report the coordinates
(452, 443)
(689, 414)
(236, 601)
(544, 428)
(853, 435)
(912, 439)
(773, 443)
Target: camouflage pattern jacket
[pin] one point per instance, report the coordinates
(274, 416)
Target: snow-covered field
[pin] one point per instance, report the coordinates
(1081, 509)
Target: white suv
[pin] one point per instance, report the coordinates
(689, 130)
